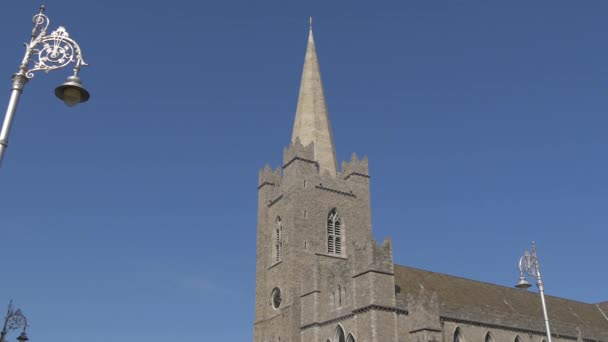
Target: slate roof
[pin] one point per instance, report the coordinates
(475, 301)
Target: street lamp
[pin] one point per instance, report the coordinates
(45, 52)
(528, 263)
(14, 320)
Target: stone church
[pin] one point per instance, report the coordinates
(321, 277)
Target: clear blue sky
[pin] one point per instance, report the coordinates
(133, 216)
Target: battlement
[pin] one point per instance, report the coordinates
(296, 151)
(269, 177)
(355, 167)
(370, 256)
(383, 254)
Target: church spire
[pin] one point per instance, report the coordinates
(312, 120)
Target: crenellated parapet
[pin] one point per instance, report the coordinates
(297, 151)
(269, 177)
(382, 256)
(371, 256)
(355, 167)
(373, 275)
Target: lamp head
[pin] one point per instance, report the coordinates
(523, 283)
(72, 92)
(23, 337)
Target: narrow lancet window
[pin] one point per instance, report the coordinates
(340, 334)
(334, 233)
(458, 336)
(278, 238)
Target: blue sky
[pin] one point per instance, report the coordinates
(133, 216)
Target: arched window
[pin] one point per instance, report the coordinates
(458, 336)
(350, 338)
(334, 233)
(489, 337)
(340, 335)
(339, 296)
(517, 339)
(278, 240)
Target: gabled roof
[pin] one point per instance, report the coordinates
(484, 303)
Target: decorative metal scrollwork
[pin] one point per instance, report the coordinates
(528, 263)
(50, 51)
(41, 22)
(16, 320)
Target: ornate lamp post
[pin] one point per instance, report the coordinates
(14, 320)
(45, 52)
(528, 263)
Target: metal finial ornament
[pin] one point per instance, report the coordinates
(14, 320)
(310, 22)
(528, 264)
(45, 52)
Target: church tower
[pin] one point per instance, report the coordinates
(320, 276)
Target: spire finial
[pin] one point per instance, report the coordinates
(310, 22)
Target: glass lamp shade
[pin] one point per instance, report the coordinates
(72, 92)
(71, 96)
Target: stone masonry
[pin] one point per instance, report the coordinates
(321, 277)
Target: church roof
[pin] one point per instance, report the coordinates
(312, 119)
(468, 300)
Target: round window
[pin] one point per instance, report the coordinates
(276, 297)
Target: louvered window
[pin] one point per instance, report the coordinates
(334, 233)
(278, 243)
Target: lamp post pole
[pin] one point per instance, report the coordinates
(14, 320)
(45, 52)
(528, 263)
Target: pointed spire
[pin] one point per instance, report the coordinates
(312, 120)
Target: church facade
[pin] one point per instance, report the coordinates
(321, 277)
